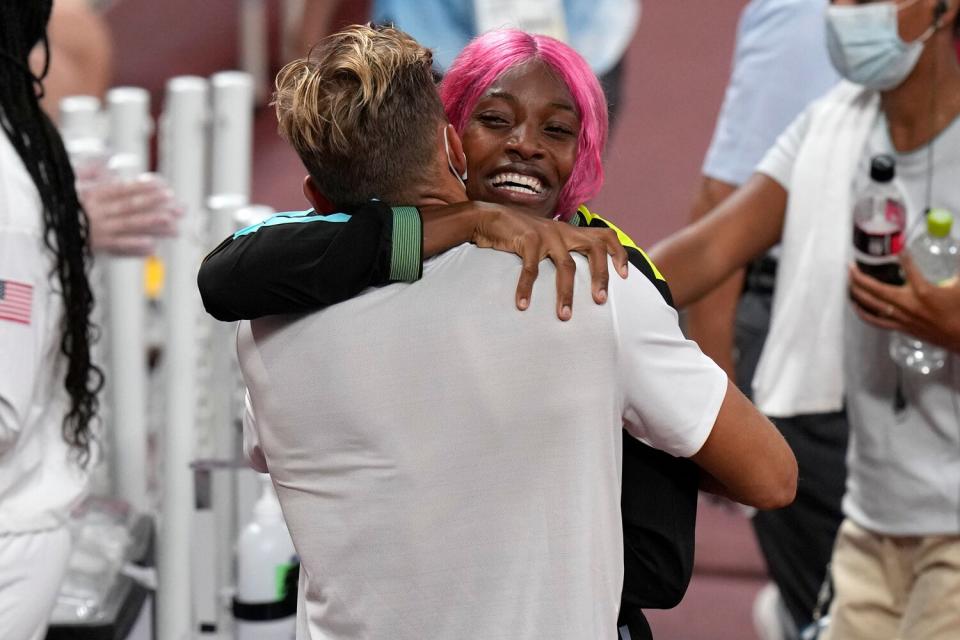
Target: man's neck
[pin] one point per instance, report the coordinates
(429, 195)
(928, 101)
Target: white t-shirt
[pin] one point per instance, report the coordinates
(38, 481)
(448, 466)
(903, 467)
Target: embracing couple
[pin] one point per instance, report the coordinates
(450, 466)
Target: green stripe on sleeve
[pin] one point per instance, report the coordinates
(405, 257)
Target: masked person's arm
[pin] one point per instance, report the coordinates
(699, 257)
(299, 262)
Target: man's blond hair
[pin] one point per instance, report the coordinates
(362, 111)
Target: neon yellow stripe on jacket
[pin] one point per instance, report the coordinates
(624, 239)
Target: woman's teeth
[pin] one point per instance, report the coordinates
(517, 182)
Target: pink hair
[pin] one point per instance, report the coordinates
(492, 54)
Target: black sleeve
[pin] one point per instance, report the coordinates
(658, 503)
(643, 264)
(297, 267)
(659, 507)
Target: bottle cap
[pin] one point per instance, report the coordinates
(267, 508)
(882, 168)
(939, 222)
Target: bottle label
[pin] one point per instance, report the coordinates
(877, 243)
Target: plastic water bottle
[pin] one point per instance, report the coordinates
(266, 602)
(879, 220)
(936, 254)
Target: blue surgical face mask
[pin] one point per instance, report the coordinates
(865, 45)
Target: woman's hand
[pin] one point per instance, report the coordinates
(534, 239)
(127, 218)
(918, 308)
(499, 227)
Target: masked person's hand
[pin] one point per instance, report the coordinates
(918, 308)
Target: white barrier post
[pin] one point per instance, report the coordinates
(232, 96)
(184, 165)
(81, 124)
(130, 129)
(231, 144)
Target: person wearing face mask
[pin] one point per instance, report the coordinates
(896, 562)
(780, 65)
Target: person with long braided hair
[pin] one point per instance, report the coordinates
(48, 384)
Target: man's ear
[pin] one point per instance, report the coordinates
(457, 156)
(315, 197)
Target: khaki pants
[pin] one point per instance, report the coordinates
(894, 587)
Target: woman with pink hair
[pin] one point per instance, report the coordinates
(510, 58)
(533, 121)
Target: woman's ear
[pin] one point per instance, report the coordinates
(316, 198)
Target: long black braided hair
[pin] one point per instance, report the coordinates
(23, 24)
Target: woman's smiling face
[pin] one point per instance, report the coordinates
(521, 140)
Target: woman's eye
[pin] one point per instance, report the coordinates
(559, 130)
(491, 119)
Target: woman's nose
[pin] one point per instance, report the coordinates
(525, 143)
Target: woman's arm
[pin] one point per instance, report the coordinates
(311, 261)
(699, 257)
(295, 263)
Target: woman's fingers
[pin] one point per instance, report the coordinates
(599, 271)
(566, 272)
(530, 254)
(618, 253)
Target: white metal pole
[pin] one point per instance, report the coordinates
(80, 117)
(81, 125)
(231, 145)
(231, 133)
(216, 517)
(184, 165)
(130, 129)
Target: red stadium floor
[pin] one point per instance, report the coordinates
(675, 75)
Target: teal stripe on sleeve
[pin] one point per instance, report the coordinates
(407, 241)
(292, 217)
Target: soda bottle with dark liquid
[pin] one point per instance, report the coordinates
(879, 223)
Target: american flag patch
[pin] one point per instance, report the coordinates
(16, 299)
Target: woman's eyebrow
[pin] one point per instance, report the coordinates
(503, 95)
(509, 97)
